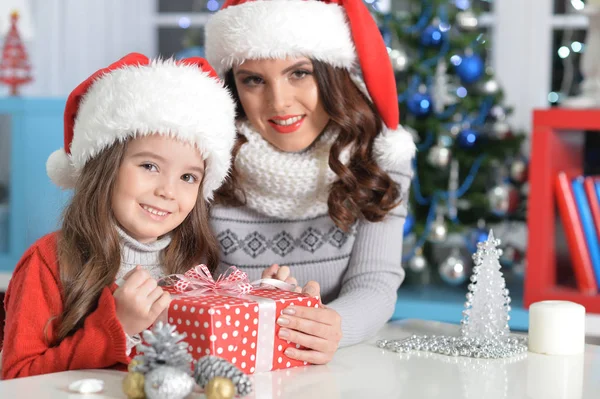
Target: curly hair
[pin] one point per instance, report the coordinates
(363, 189)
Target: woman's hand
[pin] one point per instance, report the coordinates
(282, 273)
(139, 301)
(318, 330)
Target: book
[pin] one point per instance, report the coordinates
(587, 223)
(567, 208)
(591, 185)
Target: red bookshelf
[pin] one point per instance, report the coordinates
(557, 145)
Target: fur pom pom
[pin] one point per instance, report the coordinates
(61, 170)
(393, 148)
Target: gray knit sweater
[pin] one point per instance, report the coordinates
(359, 272)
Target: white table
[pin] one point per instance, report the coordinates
(367, 372)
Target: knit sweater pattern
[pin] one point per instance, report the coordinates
(359, 271)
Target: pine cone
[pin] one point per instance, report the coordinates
(209, 367)
(163, 349)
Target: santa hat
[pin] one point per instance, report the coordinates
(341, 33)
(136, 96)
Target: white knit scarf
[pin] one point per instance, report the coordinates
(286, 185)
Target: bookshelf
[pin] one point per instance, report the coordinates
(558, 140)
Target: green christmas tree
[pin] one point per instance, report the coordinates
(469, 169)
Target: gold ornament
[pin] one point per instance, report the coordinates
(132, 365)
(133, 386)
(220, 388)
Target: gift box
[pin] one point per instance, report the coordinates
(234, 319)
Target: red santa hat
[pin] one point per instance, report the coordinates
(341, 33)
(136, 96)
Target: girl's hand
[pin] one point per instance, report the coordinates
(318, 330)
(282, 273)
(139, 301)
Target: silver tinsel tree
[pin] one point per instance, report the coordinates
(484, 328)
(164, 347)
(488, 304)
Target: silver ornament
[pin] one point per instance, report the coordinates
(500, 129)
(490, 87)
(518, 171)
(439, 156)
(438, 230)
(467, 20)
(455, 130)
(417, 263)
(399, 59)
(168, 383)
(502, 199)
(453, 269)
(498, 112)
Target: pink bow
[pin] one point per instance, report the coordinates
(198, 281)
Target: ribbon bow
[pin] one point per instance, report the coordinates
(198, 281)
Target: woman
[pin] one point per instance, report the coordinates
(321, 168)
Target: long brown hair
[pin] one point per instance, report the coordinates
(363, 189)
(89, 252)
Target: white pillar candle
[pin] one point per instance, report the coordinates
(556, 328)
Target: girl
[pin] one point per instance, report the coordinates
(322, 169)
(146, 144)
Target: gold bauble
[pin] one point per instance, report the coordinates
(219, 388)
(132, 364)
(133, 386)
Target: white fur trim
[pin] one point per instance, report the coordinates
(61, 170)
(161, 98)
(279, 29)
(393, 148)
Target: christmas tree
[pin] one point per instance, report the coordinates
(15, 69)
(469, 170)
(488, 302)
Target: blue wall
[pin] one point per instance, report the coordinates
(35, 204)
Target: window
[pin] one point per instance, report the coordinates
(180, 26)
(568, 30)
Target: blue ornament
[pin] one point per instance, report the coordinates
(470, 68)
(480, 236)
(386, 33)
(432, 36)
(409, 223)
(467, 138)
(419, 104)
(196, 51)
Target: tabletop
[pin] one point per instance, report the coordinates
(365, 371)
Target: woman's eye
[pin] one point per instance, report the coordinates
(252, 81)
(301, 73)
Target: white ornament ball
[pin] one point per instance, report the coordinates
(453, 269)
(439, 156)
(417, 263)
(503, 199)
(438, 231)
(518, 171)
(467, 20)
(490, 87)
(501, 129)
(399, 59)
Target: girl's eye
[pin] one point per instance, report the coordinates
(189, 178)
(149, 167)
(301, 73)
(252, 81)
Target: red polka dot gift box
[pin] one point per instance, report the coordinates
(232, 318)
